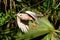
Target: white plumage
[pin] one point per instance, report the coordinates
(22, 26)
(25, 17)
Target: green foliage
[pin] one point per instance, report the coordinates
(46, 26)
(4, 17)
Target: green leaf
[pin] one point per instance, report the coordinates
(43, 22)
(50, 36)
(47, 37)
(19, 0)
(34, 33)
(53, 37)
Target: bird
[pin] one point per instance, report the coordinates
(23, 18)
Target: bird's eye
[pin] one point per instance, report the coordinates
(20, 15)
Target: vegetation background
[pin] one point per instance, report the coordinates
(47, 29)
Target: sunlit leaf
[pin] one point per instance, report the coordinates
(19, 0)
(43, 22)
(47, 37)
